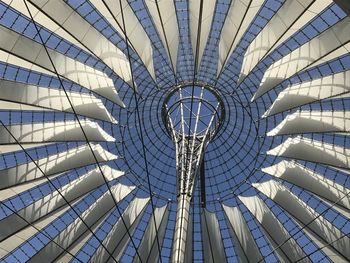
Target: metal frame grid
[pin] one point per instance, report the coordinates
(233, 158)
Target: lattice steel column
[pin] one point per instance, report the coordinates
(192, 116)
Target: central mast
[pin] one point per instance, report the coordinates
(192, 117)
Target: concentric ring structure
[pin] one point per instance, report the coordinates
(88, 171)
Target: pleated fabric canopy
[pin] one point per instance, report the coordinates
(88, 171)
